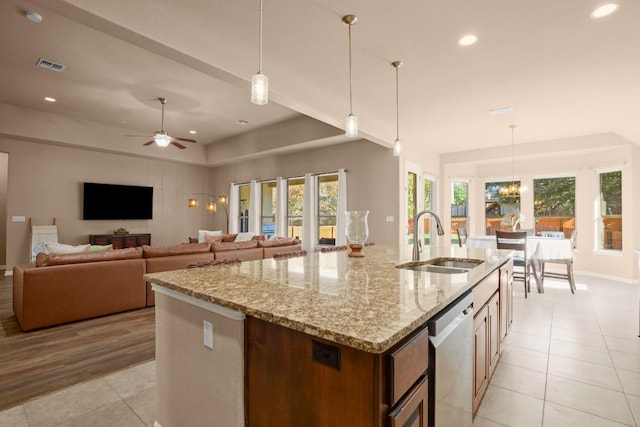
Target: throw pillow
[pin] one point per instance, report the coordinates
(61, 248)
(203, 233)
(212, 239)
(244, 237)
(100, 248)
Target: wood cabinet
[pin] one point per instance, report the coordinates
(413, 411)
(296, 379)
(120, 241)
(506, 299)
(480, 355)
(493, 305)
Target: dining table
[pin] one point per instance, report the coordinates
(539, 250)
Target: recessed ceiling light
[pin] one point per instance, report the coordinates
(468, 40)
(33, 16)
(604, 10)
(49, 99)
(193, 132)
(501, 111)
(242, 122)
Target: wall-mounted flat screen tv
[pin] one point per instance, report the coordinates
(112, 201)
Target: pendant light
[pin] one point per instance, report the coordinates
(351, 124)
(511, 191)
(260, 82)
(397, 145)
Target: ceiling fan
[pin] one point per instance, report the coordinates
(162, 137)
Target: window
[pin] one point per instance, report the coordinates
(295, 206)
(327, 208)
(459, 207)
(429, 189)
(268, 210)
(554, 204)
(501, 206)
(412, 183)
(610, 212)
(245, 202)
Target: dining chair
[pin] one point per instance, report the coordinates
(517, 241)
(462, 236)
(567, 262)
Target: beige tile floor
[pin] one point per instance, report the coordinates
(570, 360)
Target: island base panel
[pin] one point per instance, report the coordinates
(290, 384)
(195, 385)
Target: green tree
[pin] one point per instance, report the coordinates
(460, 193)
(611, 192)
(554, 196)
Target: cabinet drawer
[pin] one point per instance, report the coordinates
(413, 411)
(485, 290)
(408, 364)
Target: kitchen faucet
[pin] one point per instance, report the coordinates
(417, 243)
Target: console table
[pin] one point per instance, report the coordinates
(120, 241)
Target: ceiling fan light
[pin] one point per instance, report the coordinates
(259, 89)
(351, 126)
(162, 139)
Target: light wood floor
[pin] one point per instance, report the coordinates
(39, 362)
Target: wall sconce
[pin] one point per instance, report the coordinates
(211, 206)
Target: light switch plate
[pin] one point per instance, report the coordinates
(207, 329)
(20, 218)
(390, 218)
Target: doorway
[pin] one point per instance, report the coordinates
(4, 176)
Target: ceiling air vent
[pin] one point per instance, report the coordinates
(50, 65)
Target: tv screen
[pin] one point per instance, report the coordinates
(111, 201)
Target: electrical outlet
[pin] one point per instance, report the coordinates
(390, 218)
(207, 329)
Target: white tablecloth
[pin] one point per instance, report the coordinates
(540, 248)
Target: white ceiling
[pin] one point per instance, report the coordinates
(564, 74)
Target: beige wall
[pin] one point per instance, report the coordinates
(372, 178)
(577, 156)
(44, 182)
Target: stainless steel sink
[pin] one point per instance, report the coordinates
(442, 265)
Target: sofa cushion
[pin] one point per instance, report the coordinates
(213, 239)
(202, 234)
(280, 241)
(61, 248)
(244, 237)
(234, 246)
(43, 260)
(183, 249)
(226, 237)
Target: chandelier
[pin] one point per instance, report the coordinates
(511, 191)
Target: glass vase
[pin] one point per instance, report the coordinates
(357, 231)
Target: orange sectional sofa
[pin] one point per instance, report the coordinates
(64, 288)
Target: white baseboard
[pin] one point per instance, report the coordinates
(607, 277)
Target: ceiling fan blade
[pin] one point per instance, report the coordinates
(177, 144)
(144, 136)
(149, 142)
(184, 139)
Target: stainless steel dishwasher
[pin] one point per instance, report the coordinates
(451, 364)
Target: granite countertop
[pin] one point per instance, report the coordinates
(365, 303)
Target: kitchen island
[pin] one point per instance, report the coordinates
(326, 325)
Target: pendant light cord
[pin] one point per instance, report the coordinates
(350, 75)
(397, 106)
(260, 42)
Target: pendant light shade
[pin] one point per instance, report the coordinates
(351, 124)
(397, 145)
(260, 82)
